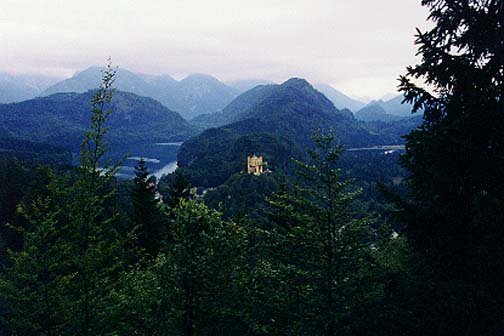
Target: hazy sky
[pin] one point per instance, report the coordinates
(358, 46)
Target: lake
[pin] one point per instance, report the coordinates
(160, 158)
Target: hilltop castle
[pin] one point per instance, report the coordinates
(256, 165)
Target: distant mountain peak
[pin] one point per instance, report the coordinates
(89, 70)
(297, 83)
(200, 77)
(339, 99)
(194, 95)
(379, 102)
(165, 77)
(19, 87)
(243, 85)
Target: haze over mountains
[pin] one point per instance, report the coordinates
(339, 99)
(195, 95)
(142, 110)
(374, 112)
(191, 96)
(389, 110)
(243, 85)
(15, 88)
(246, 116)
(222, 124)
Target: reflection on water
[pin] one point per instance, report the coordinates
(168, 143)
(381, 147)
(160, 158)
(168, 169)
(146, 159)
(128, 172)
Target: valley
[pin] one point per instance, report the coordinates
(254, 116)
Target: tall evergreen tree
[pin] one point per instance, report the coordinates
(179, 189)
(34, 288)
(146, 215)
(12, 186)
(455, 159)
(322, 249)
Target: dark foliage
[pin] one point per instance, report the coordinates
(456, 159)
(146, 216)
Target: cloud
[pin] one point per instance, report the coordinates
(360, 46)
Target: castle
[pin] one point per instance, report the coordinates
(255, 165)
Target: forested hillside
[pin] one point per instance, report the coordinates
(291, 111)
(63, 118)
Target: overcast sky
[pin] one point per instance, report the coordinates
(358, 46)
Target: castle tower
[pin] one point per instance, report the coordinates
(255, 165)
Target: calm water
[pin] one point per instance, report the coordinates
(160, 158)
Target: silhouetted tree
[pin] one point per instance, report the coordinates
(455, 159)
(34, 295)
(146, 215)
(180, 188)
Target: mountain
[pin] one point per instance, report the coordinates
(194, 95)
(390, 110)
(15, 88)
(387, 96)
(392, 132)
(33, 152)
(62, 118)
(284, 116)
(373, 112)
(90, 78)
(395, 106)
(243, 85)
(237, 109)
(339, 99)
(293, 107)
(200, 93)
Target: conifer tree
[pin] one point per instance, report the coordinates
(180, 188)
(34, 291)
(146, 215)
(455, 159)
(321, 248)
(12, 184)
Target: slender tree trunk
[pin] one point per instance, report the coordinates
(188, 318)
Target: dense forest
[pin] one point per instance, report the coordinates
(334, 241)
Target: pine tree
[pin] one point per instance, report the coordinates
(34, 292)
(455, 159)
(180, 188)
(321, 248)
(146, 215)
(12, 185)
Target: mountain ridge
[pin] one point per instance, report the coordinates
(193, 95)
(16, 88)
(286, 113)
(339, 99)
(62, 119)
